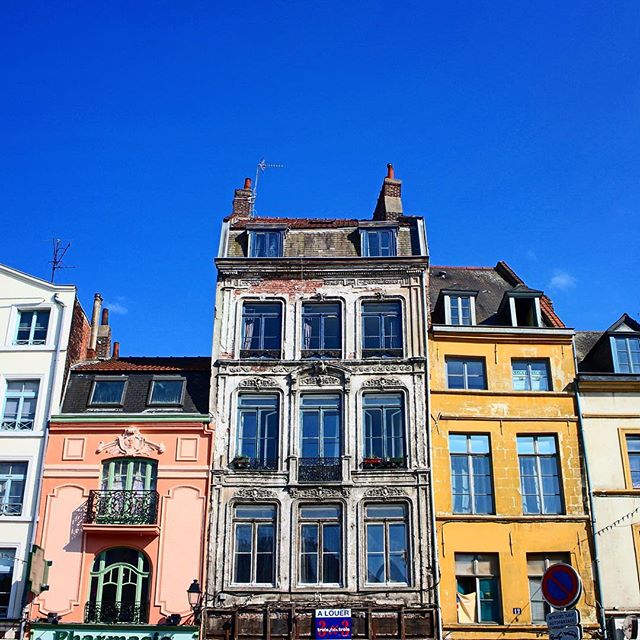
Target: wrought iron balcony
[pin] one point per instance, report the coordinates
(119, 506)
(117, 612)
(334, 354)
(319, 469)
(384, 463)
(12, 424)
(10, 508)
(382, 353)
(255, 464)
(269, 354)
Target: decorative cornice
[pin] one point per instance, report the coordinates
(320, 493)
(255, 494)
(382, 382)
(257, 383)
(385, 492)
(130, 443)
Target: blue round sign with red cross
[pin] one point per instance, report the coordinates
(561, 585)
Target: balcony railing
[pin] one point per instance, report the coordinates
(256, 464)
(268, 354)
(10, 508)
(319, 469)
(117, 612)
(382, 353)
(334, 354)
(119, 506)
(384, 463)
(12, 424)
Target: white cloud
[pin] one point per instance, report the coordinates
(116, 307)
(562, 280)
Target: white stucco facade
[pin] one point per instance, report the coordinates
(36, 356)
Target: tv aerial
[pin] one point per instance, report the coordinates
(58, 254)
(261, 167)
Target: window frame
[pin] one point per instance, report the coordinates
(98, 379)
(365, 247)
(262, 460)
(528, 362)
(9, 479)
(477, 576)
(261, 353)
(614, 352)
(21, 397)
(107, 473)
(255, 523)
(30, 342)
(565, 558)
(513, 312)
(382, 352)
(623, 435)
(252, 233)
(538, 467)
(386, 522)
(469, 457)
(367, 450)
(320, 522)
(465, 376)
(448, 306)
(321, 409)
(322, 351)
(12, 581)
(180, 403)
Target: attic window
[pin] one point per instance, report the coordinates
(460, 309)
(525, 311)
(265, 244)
(626, 354)
(378, 243)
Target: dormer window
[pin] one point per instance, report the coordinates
(378, 243)
(460, 309)
(107, 392)
(265, 244)
(520, 307)
(166, 392)
(626, 354)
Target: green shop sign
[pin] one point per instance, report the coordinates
(111, 632)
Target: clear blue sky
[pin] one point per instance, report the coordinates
(125, 127)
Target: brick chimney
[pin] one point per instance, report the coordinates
(389, 205)
(93, 339)
(103, 345)
(242, 200)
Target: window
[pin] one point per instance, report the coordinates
(387, 544)
(7, 559)
(537, 564)
(261, 330)
(539, 476)
(626, 356)
(166, 392)
(378, 243)
(381, 329)
(119, 587)
(20, 402)
(32, 327)
(12, 479)
(320, 417)
(530, 375)
(524, 310)
(107, 392)
(383, 427)
(460, 309)
(129, 474)
(258, 422)
(321, 330)
(633, 451)
(478, 590)
(465, 373)
(265, 244)
(254, 536)
(320, 545)
(471, 483)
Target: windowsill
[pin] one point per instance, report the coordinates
(8, 433)
(27, 347)
(520, 394)
(457, 517)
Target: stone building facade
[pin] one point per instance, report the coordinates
(320, 493)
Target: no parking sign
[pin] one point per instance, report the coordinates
(561, 585)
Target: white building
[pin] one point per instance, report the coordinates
(609, 395)
(36, 321)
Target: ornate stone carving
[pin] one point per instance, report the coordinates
(385, 492)
(258, 383)
(386, 368)
(255, 494)
(319, 381)
(382, 382)
(319, 493)
(130, 443)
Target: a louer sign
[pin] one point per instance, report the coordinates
(91, 632)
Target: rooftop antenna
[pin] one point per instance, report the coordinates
(260, 168)
(58, 255)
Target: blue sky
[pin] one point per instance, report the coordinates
(125, 127)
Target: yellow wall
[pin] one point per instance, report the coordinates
(503, 414)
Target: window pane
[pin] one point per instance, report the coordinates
(250, 511)
(331, 538)
(384, 511)
(375, 567)
(167, 391)
(546, 444)
(319, 512)
(525, 444)
(108, 392)
(479, 443)
(458, 443)
(633, 443)
(489, 601)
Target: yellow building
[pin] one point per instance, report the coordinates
(507, 475)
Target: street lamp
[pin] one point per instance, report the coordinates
(194, 594)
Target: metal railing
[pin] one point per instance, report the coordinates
(24, 424)
(270, 354)
(256, 464)
(117, 612)
(319, 469)
(120, 506)
(10, 508)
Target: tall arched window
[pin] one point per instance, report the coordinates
(119, 587)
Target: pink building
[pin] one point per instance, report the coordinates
(123, 515)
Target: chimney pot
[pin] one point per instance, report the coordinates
(105, 317)
(390, 171)
(389, 205)
(247, 183)
(116, 351)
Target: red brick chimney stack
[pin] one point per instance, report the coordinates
(389, 205)
(242, 201)
(116, 351)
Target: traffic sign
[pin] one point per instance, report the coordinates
(558, 619)
(566, 633)
(561, 585)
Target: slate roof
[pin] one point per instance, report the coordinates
(148, 364)
(491, 283)
(585, 341)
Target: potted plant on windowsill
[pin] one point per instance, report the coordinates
(241, 462)
(372, 462)
(394, 463)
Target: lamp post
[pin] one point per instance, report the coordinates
(194, 594)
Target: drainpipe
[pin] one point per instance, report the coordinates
(40, 464)
(592, 514)
(432, 507)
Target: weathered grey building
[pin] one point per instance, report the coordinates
(320, 493)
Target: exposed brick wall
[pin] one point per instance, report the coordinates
(78, 337)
